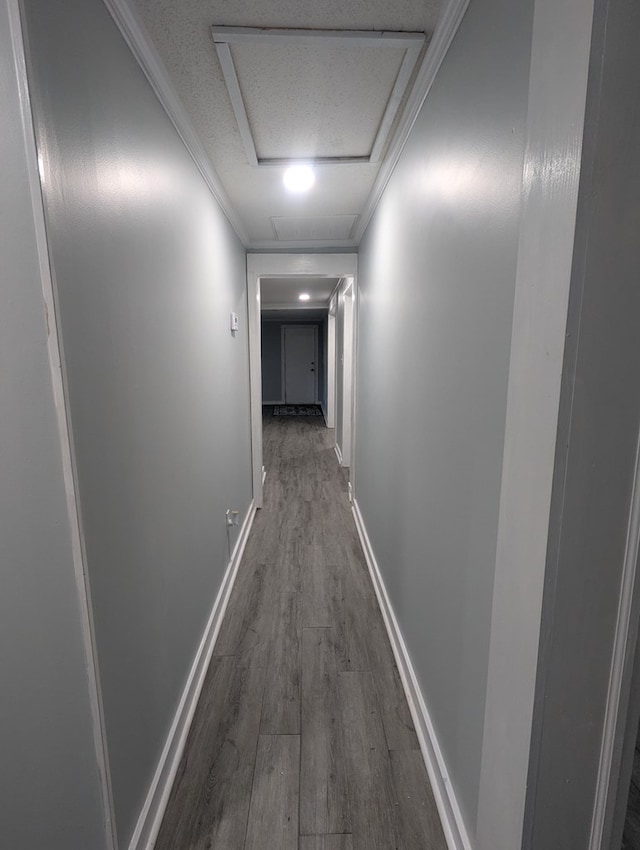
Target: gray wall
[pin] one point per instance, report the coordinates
(272, 390)
(436, 286)
(596, 448)
(147, 270)
(49, 788)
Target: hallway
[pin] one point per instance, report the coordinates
(302, 728)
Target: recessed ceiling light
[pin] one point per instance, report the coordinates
(299, 178)
(304, 296)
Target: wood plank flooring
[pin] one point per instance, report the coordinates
(302, 739)
(631, 836)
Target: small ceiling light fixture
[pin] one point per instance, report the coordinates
(304, 296)
(299, 178)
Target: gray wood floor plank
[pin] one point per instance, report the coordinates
(324, 803)
(631, 835)
(321, 589)
(372, 796)
(378, 646)
(209, 801)
(421, 827)
(303, 673)
(281, 708)
(398, 725)
(326, 842)
(273, 814)
(288, 555)
(365, 645)
(247, 623)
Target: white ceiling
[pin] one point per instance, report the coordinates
(277, 293)
(301, 100)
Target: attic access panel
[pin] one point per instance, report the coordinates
(330, 96)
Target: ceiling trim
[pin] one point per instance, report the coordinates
(411, 43)
(443, 36)
(295, 305)
(304, 244)
(237, 103)
(331, 38)
(147, 57)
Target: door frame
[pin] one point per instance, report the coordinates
(277, 265)
(623, 698)
(330, 412)
(283, 354)
(347, 293)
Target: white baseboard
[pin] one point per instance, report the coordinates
(146, 831)
(338, 453)
(452, 821)
(264, 474)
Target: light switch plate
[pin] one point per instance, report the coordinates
(234, 322)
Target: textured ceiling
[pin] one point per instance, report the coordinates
(181, 33)
(308, 101)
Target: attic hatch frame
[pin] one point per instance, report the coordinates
(411, 42)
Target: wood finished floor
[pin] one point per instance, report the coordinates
(631, 836)
(302, 738)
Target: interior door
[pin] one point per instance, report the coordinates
(300, 364)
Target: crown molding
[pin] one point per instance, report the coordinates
(305, 245)
(148, 59)
(443, 35)
(294, 307)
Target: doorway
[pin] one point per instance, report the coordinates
(269, 266)
(300, 364)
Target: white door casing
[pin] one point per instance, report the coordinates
(346, 294)
(278, 265)
(331, 365)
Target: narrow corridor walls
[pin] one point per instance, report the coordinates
(146, 269)
(437, 274)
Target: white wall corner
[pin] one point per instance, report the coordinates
(453, 824)
(561, 41)
(55, 352)
(150, 818)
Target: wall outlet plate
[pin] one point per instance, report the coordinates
(232, 518)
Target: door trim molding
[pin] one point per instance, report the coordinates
(624, 646)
